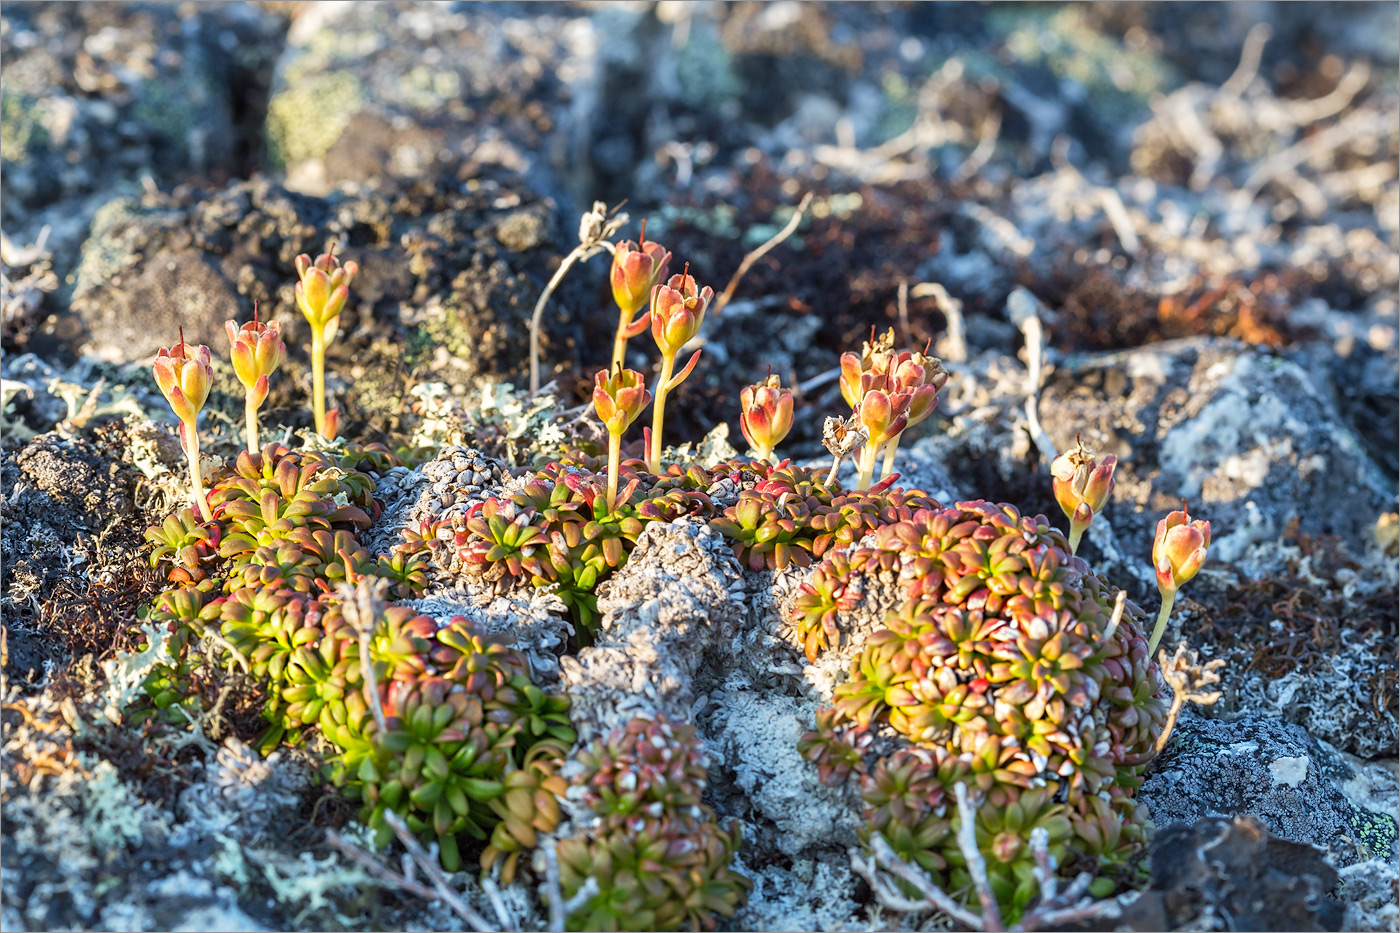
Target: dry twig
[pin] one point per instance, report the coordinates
(758, 253)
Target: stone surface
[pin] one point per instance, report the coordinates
(99, 95)
(1262, 767)
(365, 91)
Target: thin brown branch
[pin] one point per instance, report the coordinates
(758, 253)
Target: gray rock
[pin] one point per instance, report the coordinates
(99, 95)
(366, 91)
(1262, 767)
(1244, 437)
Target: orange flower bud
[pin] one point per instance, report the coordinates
(884, 415)
(636, 270)
(1082, 486)
(1179, 549)
(619, 398)
(256, 350)
(677, 312)
(185, 374)
(324, 287)
(765, 415)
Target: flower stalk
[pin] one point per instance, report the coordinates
(1178, 551)
(677, 313)
(185, 374)
(321, 293)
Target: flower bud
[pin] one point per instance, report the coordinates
(861, 373)
(766, 415)
(185, 374)
(884, 415)
(636, 270)
(1082, 486)
(324, 287)
(677, 312)
(1179, 549)
(619, 398)
(256, 350)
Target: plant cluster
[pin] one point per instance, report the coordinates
(1005, 668)
(566, 529)
(442, 726)
(658, 857)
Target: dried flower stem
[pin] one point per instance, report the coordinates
(440, 883)
(758, 253)
(976, 864)
(574, 255)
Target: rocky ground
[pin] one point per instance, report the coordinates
(1170, 230)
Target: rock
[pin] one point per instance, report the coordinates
(1244, 437)
(368, 91)
(1261, 767)
(98, 95)
(1224, 874)
(664, 612)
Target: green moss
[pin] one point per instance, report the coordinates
(424, 89)
(21, 131)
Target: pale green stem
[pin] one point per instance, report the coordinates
(866, 462)
(890, 449)
(318, 379)
(764, 453)
(1076, 531)
(1160, 628)
(668, 364)
(619, 357)
(614, 456)
(251, 429)
(196, 479)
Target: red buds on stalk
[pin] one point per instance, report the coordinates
(185, 374)
(766, 415)
(322, 291)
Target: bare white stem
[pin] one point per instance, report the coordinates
(976, 864)
(440, 883)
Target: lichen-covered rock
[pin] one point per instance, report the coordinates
(1272, 770)
(1246, 438)
(98, 94)
(67, 518)
(365, 91)
(675, 602)
(1221, 874)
